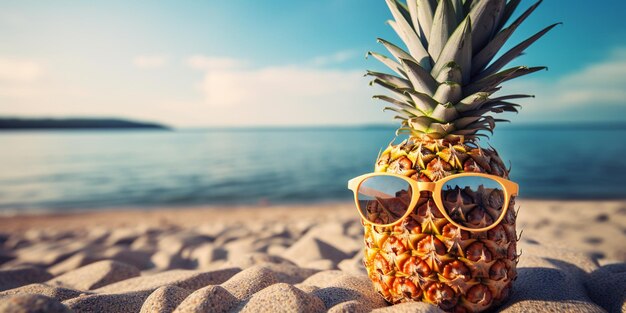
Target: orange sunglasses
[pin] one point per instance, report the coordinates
(379, 188)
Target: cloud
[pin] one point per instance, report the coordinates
(27, 86)
(603, 82)
(150, 61)
(335, 58)
(200, 62)
(276, 84)
(236, 94)
(19, 70)
(596, 85)
(19, 78)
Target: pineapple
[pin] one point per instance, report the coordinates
(442, 89)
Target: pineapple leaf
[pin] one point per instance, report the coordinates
(469, 132)
(484, 15)
(467, 5)
(508, 97)
(488, 120)
(442, 77)
(404, 130)
(459, 11)
(394, 89)
(505, 109)
(393, 65)
(444, 114)
(400, 116)
(491, 90)
(508, 12)
(472, 102)
(412, 4)
(487, 123)
(524, 71)
(448, 92)
(462, 122)
(390, 100)
(439, 131)
(402, 113)
(396, 51)
(514, 52)
(425, 12)
(421, 79)
(404, 39)
(458, 49)
(444, 23)
(500, 8)
(496, 107)
(418, 26)
(403, 28)
(451, 72)
(420, 123)
(404, 10)
(410, 109)
(409, 112)
(426, 125)
(492, 81)
(391, 79)
(422, 101)
(482, 59)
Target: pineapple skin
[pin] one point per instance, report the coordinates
(426, 258)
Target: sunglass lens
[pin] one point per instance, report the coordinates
(473, 202)
(384, 199)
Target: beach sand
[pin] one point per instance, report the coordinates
(288, 258)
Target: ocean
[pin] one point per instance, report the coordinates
(58, 171)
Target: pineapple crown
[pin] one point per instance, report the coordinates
(444, 82)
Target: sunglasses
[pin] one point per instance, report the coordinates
(474, 202)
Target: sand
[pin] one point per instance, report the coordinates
(297, 258)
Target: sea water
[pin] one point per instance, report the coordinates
(88, 170)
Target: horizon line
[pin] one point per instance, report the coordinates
(599, 125)
(548, 124)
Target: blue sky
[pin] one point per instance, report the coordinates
(237, 63)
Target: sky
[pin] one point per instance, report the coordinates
(272, 63)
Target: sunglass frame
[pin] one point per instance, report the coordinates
(509, 189)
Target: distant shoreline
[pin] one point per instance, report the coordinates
(75, 124)
(35, 124)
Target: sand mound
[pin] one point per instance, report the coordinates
(208, 299)
(282, 297)
(31, 304)
(12, 278)
(279, 260)
(164, 300)
(57, 293)
(113, 303)
(95, 275)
